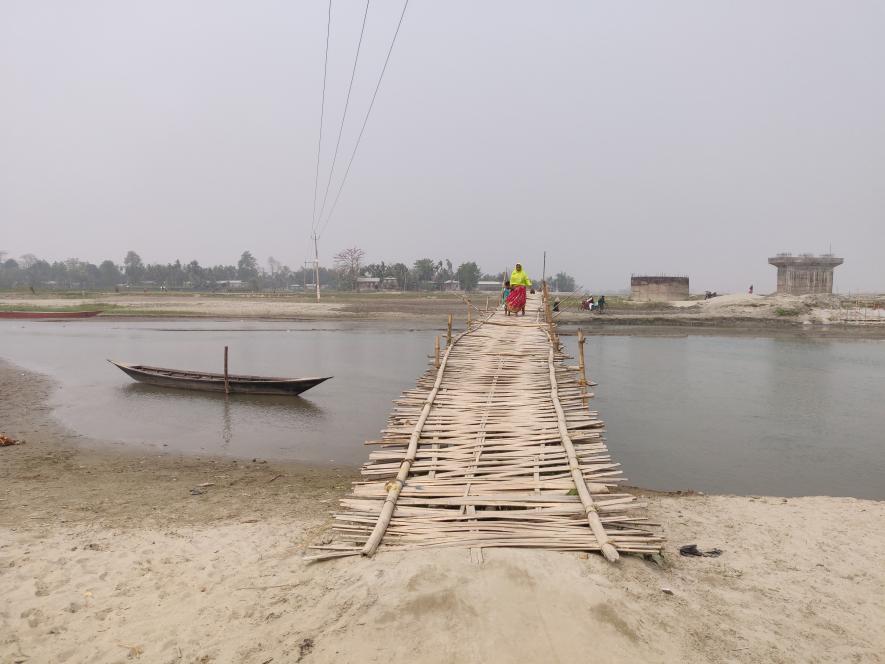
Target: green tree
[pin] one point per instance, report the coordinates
(444, 271)
(378, 270)
(247, 267)
(424, 269)
(109, 274)
(39, 273)
(401, 272)
(564, 283)
(468, 275)
(133, 267)
(195, 275)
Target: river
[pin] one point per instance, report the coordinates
(747, 415)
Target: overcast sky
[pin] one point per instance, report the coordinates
(686, 137)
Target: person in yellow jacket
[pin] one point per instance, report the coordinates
(519, 281)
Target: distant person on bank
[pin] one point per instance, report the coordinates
(519, 281)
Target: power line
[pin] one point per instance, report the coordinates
(366, 119)
(346, 105)
(316, 181)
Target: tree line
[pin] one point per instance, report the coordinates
(349, 266)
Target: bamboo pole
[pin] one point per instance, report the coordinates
(449, 332)
(436, 352)
(468, 313)
(605, 544)
(582, 381)
(226, 382)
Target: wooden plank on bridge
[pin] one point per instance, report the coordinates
(494, 448)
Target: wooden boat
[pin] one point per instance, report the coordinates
(213, 382)
(48, 314)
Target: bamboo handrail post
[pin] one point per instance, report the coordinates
(436, 352)
(449, 332)
(582, 381)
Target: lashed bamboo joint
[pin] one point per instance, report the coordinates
(495, 447)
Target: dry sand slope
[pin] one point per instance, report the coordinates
(795, 584)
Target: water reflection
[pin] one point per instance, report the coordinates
(237, 414)
(226, 430)
(266, 404)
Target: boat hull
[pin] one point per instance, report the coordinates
(208, 382)
(48, 314)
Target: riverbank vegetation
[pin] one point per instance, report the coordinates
(351, 271)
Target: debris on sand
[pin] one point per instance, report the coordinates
(8, 441)
(693, 550)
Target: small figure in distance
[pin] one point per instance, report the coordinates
(600, 305)
(751, 289)
(519, 281)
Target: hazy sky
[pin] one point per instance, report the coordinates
(689, 137)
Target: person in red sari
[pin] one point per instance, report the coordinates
(519, 281)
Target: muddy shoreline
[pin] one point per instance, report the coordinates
(109, 483)
(806, 316)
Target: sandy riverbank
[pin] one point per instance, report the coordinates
(737, 313)
(107, 556)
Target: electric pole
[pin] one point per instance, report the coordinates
(316, 264)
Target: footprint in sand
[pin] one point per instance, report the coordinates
(34, 617)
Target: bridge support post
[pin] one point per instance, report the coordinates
(583, 367)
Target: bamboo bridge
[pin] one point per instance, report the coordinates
(494, 447)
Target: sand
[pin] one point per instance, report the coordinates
(730, 313)
(107, 556)
(333, 306)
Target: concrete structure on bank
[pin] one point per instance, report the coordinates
(658, 289)
(805, 274)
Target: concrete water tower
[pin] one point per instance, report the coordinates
(805, 274)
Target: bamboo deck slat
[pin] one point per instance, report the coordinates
(494, 447)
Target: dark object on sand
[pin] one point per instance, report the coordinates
(8, 441)
(693, 550)
(213, 382)
(48, 314)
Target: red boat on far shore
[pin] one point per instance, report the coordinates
(48, 314)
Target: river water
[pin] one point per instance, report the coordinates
(750, 415)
